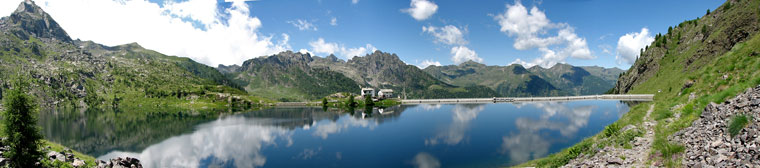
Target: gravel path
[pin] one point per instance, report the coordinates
(621, 157)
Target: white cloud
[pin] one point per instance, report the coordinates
(425, 160)
(462, 54)
(421, 9)
(450, 35)
(426, 63)
(629, 46)
(532, 29)
(354, 1)
(523, 63)
(323, 47)
(303, 25)
(304, 51)
(227, 36)
(8, 6)
(334, 21)
(203, 11)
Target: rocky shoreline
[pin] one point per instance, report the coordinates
(707, 140)
(67, 156)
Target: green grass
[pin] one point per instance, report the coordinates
(738, 123)
(89, 160)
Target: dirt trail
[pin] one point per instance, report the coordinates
(620, 157)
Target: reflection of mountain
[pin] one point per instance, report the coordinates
(236, 139)
(462, 114)
(572, 119)
(97, 133)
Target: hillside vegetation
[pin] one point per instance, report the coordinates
(68, 73)
(709, 59)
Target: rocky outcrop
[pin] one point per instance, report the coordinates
(707, 140)
(30, 20)
(119, 163)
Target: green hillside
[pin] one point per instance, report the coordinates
(709, 59)
(69, 73)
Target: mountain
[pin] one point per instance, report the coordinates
(293, 76)
(287, 76)
(83, 74)
(515, 80)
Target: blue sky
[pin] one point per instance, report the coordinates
(346, 27)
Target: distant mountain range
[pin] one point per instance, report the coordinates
(291, 76)
(76, 73)
(296, 76)
(515, 80)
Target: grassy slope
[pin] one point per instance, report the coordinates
(740, 65)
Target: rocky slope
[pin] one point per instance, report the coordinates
(84, 74)
(708, 141)
(515, 80)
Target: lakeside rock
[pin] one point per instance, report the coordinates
(120, 162)
(707, 140)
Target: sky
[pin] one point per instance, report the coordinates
(421, 32)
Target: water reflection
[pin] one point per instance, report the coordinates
(576, 117)
(428, 135)
(234, 139)
(461, 116)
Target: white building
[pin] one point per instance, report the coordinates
(385, 93)
(368, 91)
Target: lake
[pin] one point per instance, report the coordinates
(426, 135)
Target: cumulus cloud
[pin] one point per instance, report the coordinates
(320, 46)
(426, 63)
(629, 46)
(354, 1)
(421, 9)
(531, 29)
(334, 21)
(303, 24)
(450, 35)
(462, 54)
(197, 29)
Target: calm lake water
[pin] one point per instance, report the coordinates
(437, 135)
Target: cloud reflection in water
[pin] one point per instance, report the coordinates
(529, 144)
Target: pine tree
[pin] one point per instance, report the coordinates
(368, 101)
(20, 126)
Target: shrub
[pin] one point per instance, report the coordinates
(324, 102)
(737, 124)
(611, 130)
(20, 123)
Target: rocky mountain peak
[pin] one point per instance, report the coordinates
(471, 63)
(30, 20)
